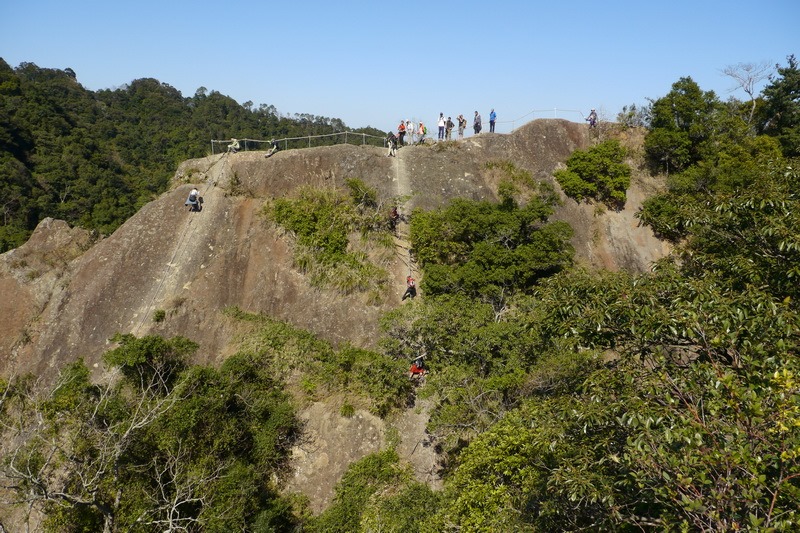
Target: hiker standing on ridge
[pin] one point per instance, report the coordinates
(448, 129)
(462, 125)
(401, 133)
(592, 118)
(421, 133)
(441, 125)
(492, 118)
(410, 131)
(476, 123)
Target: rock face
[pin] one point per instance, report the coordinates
(62, 297)
(64, 293)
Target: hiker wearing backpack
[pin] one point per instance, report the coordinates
(411, 288)
(421, 133)
(492, 119)
(592, 119)
(476, 123)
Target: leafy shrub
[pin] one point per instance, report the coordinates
(665, 214)
(362, 480)
(377, 378)
(597, 173)
(361, 194)
(485, 249)
(322, 221)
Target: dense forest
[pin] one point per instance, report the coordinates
(94, 158)
(563, 399)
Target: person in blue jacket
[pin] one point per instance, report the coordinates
(492, 118)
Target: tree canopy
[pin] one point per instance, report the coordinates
(93, 158)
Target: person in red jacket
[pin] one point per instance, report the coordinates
(417, 369)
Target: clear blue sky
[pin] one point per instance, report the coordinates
(375, 62)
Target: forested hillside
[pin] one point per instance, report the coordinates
(94, 158)
(561, 398)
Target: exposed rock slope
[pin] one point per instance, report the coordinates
(63, 298)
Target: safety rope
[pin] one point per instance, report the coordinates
(178, 248)
(397, 177)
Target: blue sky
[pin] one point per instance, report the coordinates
(374, 63)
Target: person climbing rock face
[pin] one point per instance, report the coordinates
(411, 288)
(193, 201)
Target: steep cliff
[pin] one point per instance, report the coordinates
(64, 295)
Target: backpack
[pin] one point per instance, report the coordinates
(425, 130)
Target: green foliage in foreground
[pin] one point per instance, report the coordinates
(325, 223)
(166, 447)
(377, 494)
(598, 173)
(661, 401)
(696, 426)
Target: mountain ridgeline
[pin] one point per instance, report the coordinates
(608, 318)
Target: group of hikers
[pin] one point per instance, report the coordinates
(417, 133)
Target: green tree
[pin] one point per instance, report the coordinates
(682, 122)
(780, 114)
(486, 249)
(599, 172)
(165, 447)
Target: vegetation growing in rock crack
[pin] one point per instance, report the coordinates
(340, 239)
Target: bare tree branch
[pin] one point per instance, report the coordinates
(747, 76)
